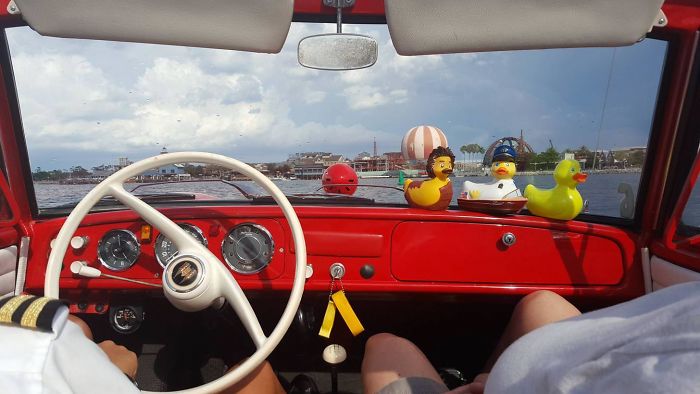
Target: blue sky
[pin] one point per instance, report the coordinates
(90, 102)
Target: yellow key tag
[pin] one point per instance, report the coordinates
(328, 320)
(346, 312)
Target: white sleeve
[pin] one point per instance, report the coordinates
(647, 345)
(75, 364)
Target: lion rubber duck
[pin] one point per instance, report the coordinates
(502, 185)
(562, 202)
(435, 193)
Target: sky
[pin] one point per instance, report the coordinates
(89, 102)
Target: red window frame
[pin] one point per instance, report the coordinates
(670, 238)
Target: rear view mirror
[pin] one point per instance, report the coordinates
(337, 52)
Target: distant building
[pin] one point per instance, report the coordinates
(395, 160)
(370, 163)
(311, 165)
(124, 161)
(166, 173)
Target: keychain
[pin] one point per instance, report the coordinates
(338, 300)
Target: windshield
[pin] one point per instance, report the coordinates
(91, 107)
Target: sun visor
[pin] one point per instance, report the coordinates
(420, 27)
(246, 25)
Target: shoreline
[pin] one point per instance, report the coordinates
(360, 175)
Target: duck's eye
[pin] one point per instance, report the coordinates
(573, 170)
(442, 165)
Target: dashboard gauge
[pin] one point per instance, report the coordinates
(248, 248)
(126, 319)
(118, 250)
(165, 249)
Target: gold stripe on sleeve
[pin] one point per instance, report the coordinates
(32, 313)
(11, 306)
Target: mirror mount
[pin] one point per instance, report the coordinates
(339, 5)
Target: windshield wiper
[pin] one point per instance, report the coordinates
(248, 194)
(317, 198)
(109, 201)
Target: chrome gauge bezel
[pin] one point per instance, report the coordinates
(161, 236)
(234, 266)
(128, 234)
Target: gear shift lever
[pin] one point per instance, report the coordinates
(334, 355)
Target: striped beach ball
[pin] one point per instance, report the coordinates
(420, 141)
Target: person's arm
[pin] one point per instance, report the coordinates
(76, 364)
(120, 356)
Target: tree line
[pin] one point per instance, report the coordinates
(549, 158)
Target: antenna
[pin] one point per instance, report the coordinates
(605, 104)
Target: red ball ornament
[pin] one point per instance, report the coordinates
(339, 178)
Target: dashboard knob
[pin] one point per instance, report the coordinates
(508, 239)
(334, 354)
(78, 242)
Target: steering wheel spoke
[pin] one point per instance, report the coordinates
(175, 233)
(240, 304)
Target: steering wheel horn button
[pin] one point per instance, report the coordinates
(184, 273)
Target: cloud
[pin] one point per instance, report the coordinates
(96, 100)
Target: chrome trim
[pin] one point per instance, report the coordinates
(182, 225)
(129, 233)
(259, 227)
(184, 289)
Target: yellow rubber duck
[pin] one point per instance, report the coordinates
(562, 202)
(435, 193)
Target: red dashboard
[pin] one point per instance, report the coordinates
(383, 250)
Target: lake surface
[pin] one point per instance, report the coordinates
(601, 191)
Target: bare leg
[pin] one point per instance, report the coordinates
(388, 358)
(261, 381)
(83, 326)
(533, 311)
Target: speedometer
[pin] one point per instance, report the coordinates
(166, 249)
(248, 248)
(118, 250)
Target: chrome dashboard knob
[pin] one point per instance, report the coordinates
(508, 239)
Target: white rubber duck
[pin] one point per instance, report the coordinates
(502, 186)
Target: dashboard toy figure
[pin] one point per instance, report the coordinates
(502, 185)
(563, 201)
(435, 193)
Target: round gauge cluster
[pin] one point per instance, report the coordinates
(126, 319)
(248, 248)
(118, 250)
(165, 249)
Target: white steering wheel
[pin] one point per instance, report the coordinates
(194, 278)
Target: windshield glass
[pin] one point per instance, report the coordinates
(91, 107)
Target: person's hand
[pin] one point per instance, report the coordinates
(475, 387)
(120, 356)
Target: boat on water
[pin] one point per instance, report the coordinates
(196, 284)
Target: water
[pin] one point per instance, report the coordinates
(600, 190)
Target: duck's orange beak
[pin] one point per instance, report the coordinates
(501, 171)
(580, 177)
